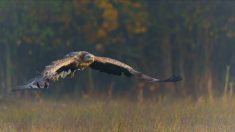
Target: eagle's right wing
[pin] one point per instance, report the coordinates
(58, 69)
(61, 68)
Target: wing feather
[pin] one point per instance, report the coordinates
(115, 67)
(111, 66)
(58, 69)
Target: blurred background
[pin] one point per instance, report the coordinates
(159, 38)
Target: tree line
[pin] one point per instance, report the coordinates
(160, 38)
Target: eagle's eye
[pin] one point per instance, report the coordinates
(88, 57)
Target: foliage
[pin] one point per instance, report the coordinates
(117, 115)
(156, 37)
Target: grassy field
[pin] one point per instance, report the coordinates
(118, 115)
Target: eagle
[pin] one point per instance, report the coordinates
(81, 60)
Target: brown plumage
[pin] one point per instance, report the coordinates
(82, 60)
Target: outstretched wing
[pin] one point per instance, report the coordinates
(116, 67)
(58, 69)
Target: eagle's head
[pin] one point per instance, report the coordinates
(83, 56)
(87, 57)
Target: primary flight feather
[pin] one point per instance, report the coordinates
(81, 60)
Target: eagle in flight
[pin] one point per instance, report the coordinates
(81, 60)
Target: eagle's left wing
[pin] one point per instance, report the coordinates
(115, 67)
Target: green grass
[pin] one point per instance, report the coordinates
(117, 115)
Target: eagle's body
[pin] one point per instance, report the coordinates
(82, 60)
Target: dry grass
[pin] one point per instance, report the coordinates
(117, 115)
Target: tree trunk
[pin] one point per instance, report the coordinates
(91, 83)
(177, 62)
(166, 62)
(8, 69)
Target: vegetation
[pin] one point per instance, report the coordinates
(117, 115)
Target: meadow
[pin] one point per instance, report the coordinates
(117, 115)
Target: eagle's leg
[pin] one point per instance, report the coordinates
(56, 78)
(72, 74)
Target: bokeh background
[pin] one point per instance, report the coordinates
(160, 38)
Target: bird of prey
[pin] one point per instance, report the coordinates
(82, 60)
